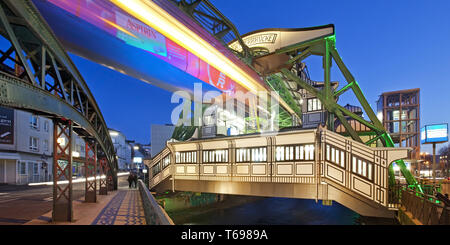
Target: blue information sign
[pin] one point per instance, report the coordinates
(437, 133)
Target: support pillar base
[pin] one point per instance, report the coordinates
(62, 212)
(90, 197)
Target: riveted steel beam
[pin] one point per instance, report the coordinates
(34, 42)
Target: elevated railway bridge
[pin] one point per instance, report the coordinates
(311, 164)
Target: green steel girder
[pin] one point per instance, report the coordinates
(325, 47)
(65, 94)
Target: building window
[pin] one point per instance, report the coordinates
(34, 144)
(46, 126)
(215, 156)
(35, 168)
(156, 169)
(22, 168)
(314, 104)
(335, 155)
(166, 162)
(45, 145)
(256, 154)
(186, 157)
(362, 168)
(34, 122)
(294, 153)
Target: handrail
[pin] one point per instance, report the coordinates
(425, 208)
(154, 213)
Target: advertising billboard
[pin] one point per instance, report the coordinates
(437, 133)
(6, 126)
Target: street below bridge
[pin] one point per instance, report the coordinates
(20, 204)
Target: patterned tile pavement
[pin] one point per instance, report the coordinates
(124, 209)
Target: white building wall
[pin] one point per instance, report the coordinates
(23, 164)
(120, 145)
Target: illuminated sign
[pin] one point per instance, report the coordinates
(437, 133)
(274, 39)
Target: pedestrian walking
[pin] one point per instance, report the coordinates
(135, 178)
(130, 180)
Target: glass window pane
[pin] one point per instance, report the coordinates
(265, 154)
(226, 156)
(369, 168)
(302, 153)
(342, 159)
(359, 166)
(328, 153)
(291, 153)
(337, 156)
(364, 170)
(354, 164)
(333, 154)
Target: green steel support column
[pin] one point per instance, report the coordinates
(373, 140)
(302, 56)
(348, 127)
(331, 121)
(391, 175)
(342, 90)
(356, 90)
(303, 84)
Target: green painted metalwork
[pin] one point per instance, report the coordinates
(328, 97)
(322, 46)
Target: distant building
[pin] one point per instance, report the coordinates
(399, 112)
(122, 149)
(313, 112)
(26, 147)
(160, 134)
(78, 156)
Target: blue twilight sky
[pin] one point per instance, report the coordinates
(387, 45)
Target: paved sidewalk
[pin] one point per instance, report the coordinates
(122, 207)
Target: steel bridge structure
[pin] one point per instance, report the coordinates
(37, 75)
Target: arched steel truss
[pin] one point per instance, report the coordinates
(37, 75)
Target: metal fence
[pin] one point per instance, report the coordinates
(425, 208)
(154, 213)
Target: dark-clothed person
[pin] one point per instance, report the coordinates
(135, 178)
(130, 180)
